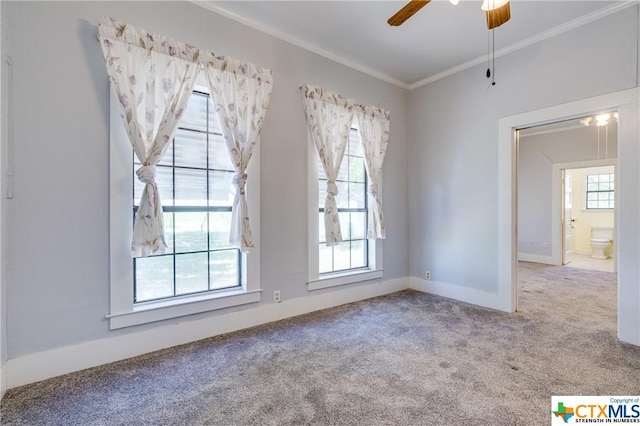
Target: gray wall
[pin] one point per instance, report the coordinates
(3, 132)
(534, 200)
(453, 140)
(58, 266)
(537, 155)
(57, 242)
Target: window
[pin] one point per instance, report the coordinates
(199, 270)
(195, 184)
(354, 259)
(351, 253)
(600, 191)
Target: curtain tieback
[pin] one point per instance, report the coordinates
(373, 189)
(240, 181)
(146, 174)
(332, 188)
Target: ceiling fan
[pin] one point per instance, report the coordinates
(498, 12)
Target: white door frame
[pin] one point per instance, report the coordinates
(564, 218)
(557, 196)
(627, 103)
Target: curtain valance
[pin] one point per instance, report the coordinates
(373, 112)
(110, 31)
(318, 94)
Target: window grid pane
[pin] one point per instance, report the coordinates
(351, 253)
(600, 191)
(196, 195)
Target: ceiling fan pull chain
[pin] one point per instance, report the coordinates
(488, 57)
(493, 57)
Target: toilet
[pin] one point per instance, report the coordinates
(601, 238)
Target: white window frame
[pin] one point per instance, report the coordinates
(124, 312)
(585, 193)
(317, 281)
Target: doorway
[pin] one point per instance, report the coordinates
(588, 214)
(557, 208)
(565, 198)
(627, 103)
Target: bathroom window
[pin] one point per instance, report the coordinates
(600, 191)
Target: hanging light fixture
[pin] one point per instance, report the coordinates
(602, 119)
(586, 121)
(454, 2)
(599, 120)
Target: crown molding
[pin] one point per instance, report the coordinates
(568, 26)
(575, 23)
(299, 42)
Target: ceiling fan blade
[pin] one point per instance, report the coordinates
(499, 16)
(407, 12)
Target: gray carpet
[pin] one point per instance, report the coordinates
(404, 359)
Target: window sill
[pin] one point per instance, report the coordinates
(338, 279)
(597, 210)
(151, 312)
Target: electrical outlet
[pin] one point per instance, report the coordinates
(276, 296)
(427, 275)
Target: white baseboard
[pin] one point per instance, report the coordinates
(3, 381)
(44, 365)
(536, 258)
(463, 294)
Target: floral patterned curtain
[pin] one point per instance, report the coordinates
(240, 94)
(153, 77)
(152, 83)
(329, 117)
(373, 124)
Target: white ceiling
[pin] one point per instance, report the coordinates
(438, 40)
